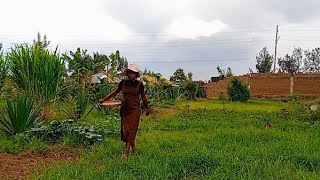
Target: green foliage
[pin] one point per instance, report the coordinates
(36, 71)
(229, 72)
(80, 65)
(178, 76)
(118, 63)
(42, 43)
(99, 91)
(264, 61)
(291, 64)
(189, 76)
(68, 130)
(21, 143)
(191, 89)
(77, 107)
(99, 62)
(312, 61)
(220, 71)
(83, 103)
(20, 115)
(69, 87)
(3, 69)
(238, 91)
(152, 74)
(222, 96)
(174, 92)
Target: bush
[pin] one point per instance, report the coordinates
(238, 91)
(78, 107)
(37, 72)
(70, 132)
(19, 116)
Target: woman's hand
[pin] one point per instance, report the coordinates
(101, 100)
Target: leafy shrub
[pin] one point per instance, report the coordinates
(238, 91)
(68, 130)
(19, 116)
(308, 116)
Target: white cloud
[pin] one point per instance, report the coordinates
(62, 21)
(189, 27)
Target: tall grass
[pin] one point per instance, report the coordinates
(36, 71)
(207, 144)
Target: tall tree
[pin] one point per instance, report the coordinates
(220, 71)
(229, 72)
(178, 76)
(80, 65)
(118, 64)
(100, 61)
(312, 60)
(190, 76)
(291, 64)
(264, 61)
(297, 56)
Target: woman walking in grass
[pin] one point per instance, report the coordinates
(130, 111)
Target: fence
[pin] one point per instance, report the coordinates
(272, 85)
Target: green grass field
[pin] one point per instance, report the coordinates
(206, 142)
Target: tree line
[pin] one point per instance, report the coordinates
(306, 61)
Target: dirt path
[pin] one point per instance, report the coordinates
(20, 166)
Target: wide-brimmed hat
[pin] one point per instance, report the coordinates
(133, 68)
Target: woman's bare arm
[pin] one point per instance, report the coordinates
(111, 95)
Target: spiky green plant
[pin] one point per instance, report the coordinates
(19, 115)
(83, 103)
(36, 71)
(77, 107)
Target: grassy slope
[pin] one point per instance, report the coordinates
(207, 144)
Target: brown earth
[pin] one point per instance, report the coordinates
(21, 166)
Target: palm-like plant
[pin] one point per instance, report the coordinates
(19, 116)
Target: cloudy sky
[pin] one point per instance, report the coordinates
(163, 35)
